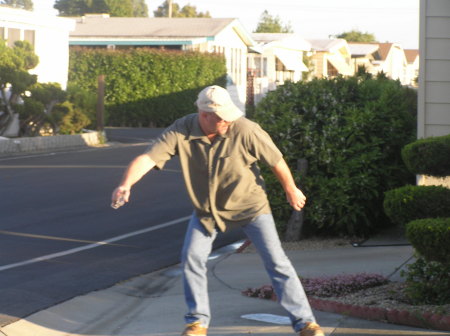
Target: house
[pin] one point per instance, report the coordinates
(412, 66)
(391, 60)
(49, 35)
(276, 58)
(363, 55)
(225, 36)
(331, 58)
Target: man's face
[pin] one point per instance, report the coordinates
(213, 124)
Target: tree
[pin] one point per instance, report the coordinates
(121, 8)
(270, 24)
(357, 36)
(14, 78)
(185, 12)
(24, 4)
(140, 8)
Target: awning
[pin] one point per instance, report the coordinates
(291, 60)
(341, 66)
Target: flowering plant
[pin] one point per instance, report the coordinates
(337, 285)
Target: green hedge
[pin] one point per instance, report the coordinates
(431, 238)
(408, 203)
(146, 87)
(430, 156)
(351, 131)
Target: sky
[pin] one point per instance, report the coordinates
(389, 20)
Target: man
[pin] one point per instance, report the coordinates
(219, 149)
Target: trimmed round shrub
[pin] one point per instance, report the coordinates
(430, 156)
(431, 238)
(408, 203)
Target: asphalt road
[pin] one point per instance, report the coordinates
(59, 237)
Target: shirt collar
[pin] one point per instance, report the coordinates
(197, 133)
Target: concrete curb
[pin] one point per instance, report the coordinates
(45, 143)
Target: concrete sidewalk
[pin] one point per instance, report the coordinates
(153, 304)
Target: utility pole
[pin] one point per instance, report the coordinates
(169, 9)
(100, 102)
(295, 223)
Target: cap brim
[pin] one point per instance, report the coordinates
(230, 114)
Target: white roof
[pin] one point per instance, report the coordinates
(361, 49)
(327, 45)
(287, 40)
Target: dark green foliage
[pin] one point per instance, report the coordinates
(408, 203)
(186, 11)
(146, 87)
(24, 4)
(70, 120)
(430, 156)
(431, 238)
(428, 282)
(84, 100)
(351, 131)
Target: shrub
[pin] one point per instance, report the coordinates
(68, 119)
(430, 156)
(408, 203)
(431, 238)
(146, 87)
(428, 282)
(351, 131)
(85, 101)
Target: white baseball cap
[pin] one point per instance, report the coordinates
(217, 99)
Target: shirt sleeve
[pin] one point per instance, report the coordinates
(263, 148)
(164, 147)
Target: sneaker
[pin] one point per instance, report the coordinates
(312, 329)
(194, 329)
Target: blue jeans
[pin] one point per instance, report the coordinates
(262, 233)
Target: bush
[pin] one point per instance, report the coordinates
(428, 282)
(430, 156)
(431, 238)
(351, 131)
(408, 203)
(146, 87)
(85, 101)
(68, 119)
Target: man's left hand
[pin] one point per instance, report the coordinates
(296, 199)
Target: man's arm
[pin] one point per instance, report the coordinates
(294, 195)
(137, 168)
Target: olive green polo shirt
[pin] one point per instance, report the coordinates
(222, 178)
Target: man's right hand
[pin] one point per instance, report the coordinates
(119, 197)
(137, 168)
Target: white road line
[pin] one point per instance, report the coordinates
(91, 246)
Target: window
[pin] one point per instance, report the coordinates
(29, 36)
(331, 70)
(13, 36)
(264, 67)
